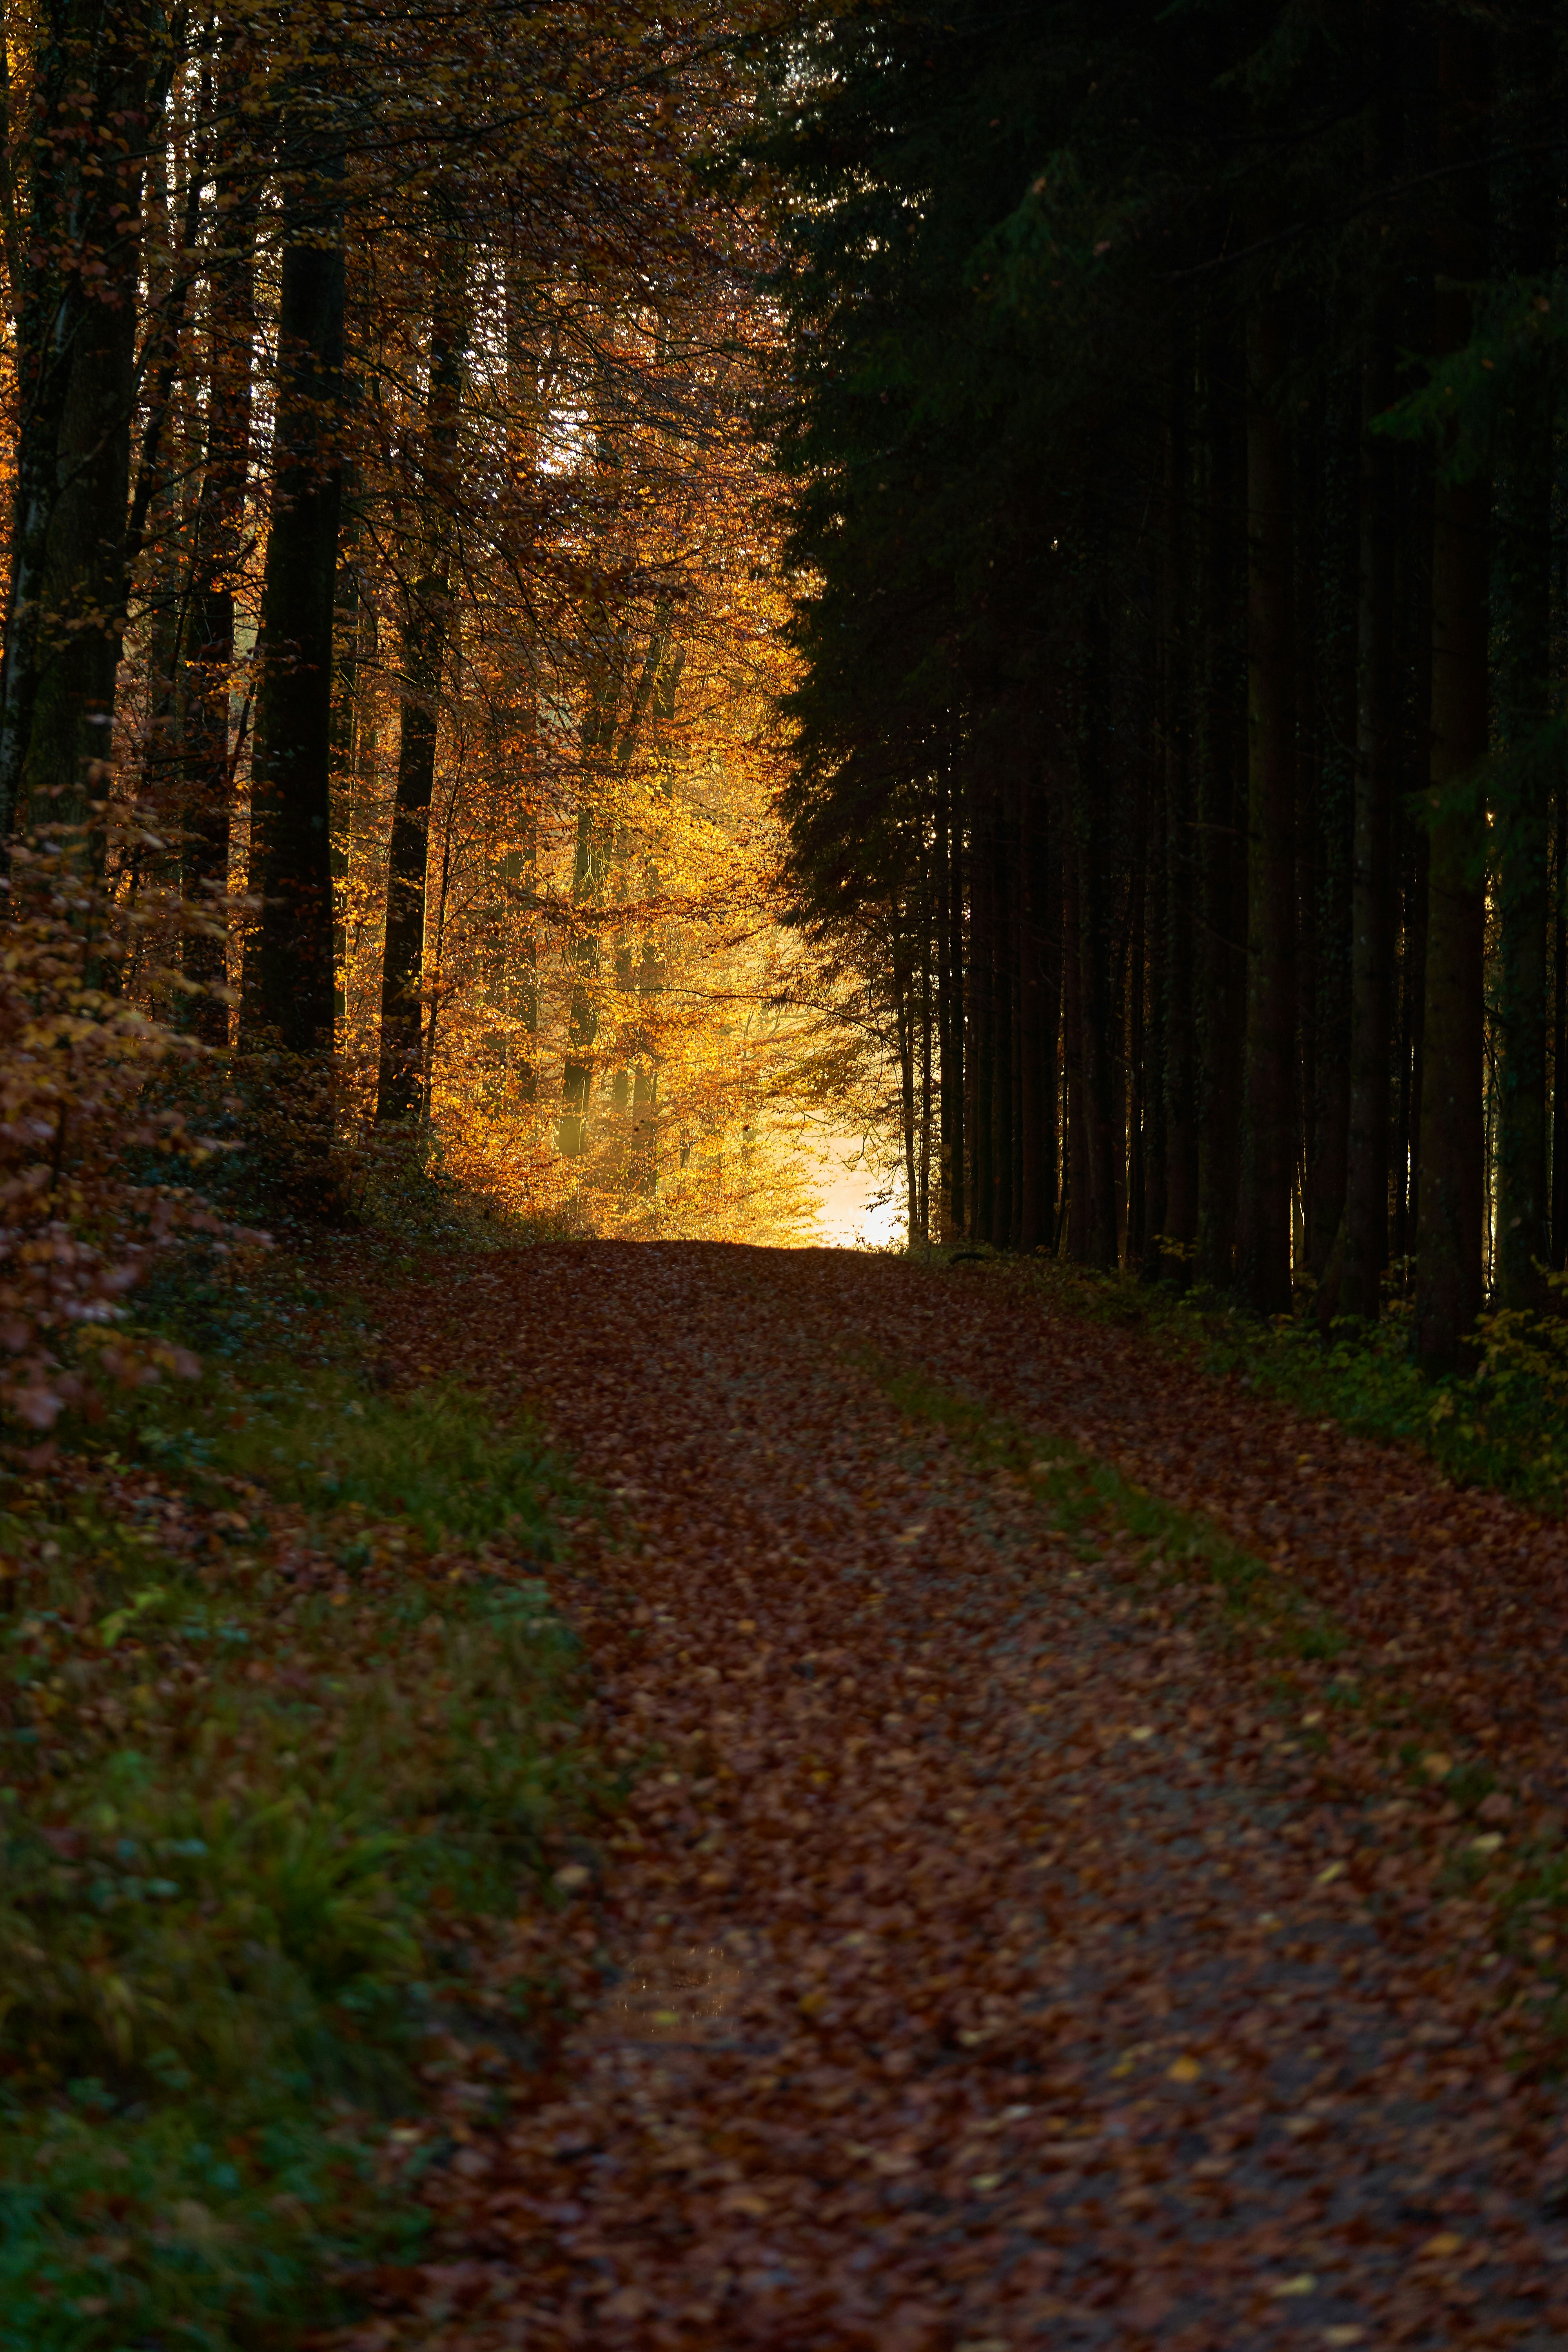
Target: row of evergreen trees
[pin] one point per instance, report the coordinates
(1171, 424)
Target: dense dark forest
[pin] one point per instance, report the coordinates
(1172, 415)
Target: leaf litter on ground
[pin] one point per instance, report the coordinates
(1093, 1870)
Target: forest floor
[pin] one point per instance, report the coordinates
(1094, 1870)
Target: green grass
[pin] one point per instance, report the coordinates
(1081, 1496)
(1504, 1426)
(324, 1442)
(254, 1834)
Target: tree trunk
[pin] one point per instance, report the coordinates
(1272, 818)
(1560, 1038)
(1037, 1081)
(1364, 1254)
(1521, 815)
(289, 998)
(1048, 895)
(425, 630)
(1097, 1006)
(1179, 1221)
(1077, 1151)
(982, 1023)
(1448, 1276)
(220, 517)
(905, 1017)
(951, 983)
(1157, 1034)
(1004, 965)
(1326, 702)
(95, 73)
(1137, 987)
(1372, 916)
(1223, 932)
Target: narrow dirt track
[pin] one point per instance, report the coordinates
(990, 1957)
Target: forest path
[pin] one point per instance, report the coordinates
(1006, 1945)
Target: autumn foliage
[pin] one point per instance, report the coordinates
(93, 1144)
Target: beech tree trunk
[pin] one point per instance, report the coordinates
(95, 75)
(951, 984)
(426, 631)
(288, 990)
(220, 514)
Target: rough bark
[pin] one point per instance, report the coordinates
(1521, 815)
(1221, 974)
(1372, 916)
(1448, 1274)
(1272, 820)
(1036, 1078)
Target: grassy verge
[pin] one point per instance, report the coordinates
(1504, 1426)
(1080, 1494)
(288, 1736)
(1313, 1682)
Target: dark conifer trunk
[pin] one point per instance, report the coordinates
(1326, 634)
(1179, 1221)
(1073, 1056)
(1137, 1005)
(1157, 1028)
(1271, 819)
(1221, 710)
(1448, 1277)
(1365, 1249)
(1099, 1006)
(1037, 1079)
(1522, 817)
(1560, 1037)
(1371, 919)
(1048, 917)
(982, 1022)
(1005, 984)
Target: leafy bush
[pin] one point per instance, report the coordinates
(86, 1151)
(1505, 1425)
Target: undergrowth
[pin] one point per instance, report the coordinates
(1503, 1426)
(289, 1732)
